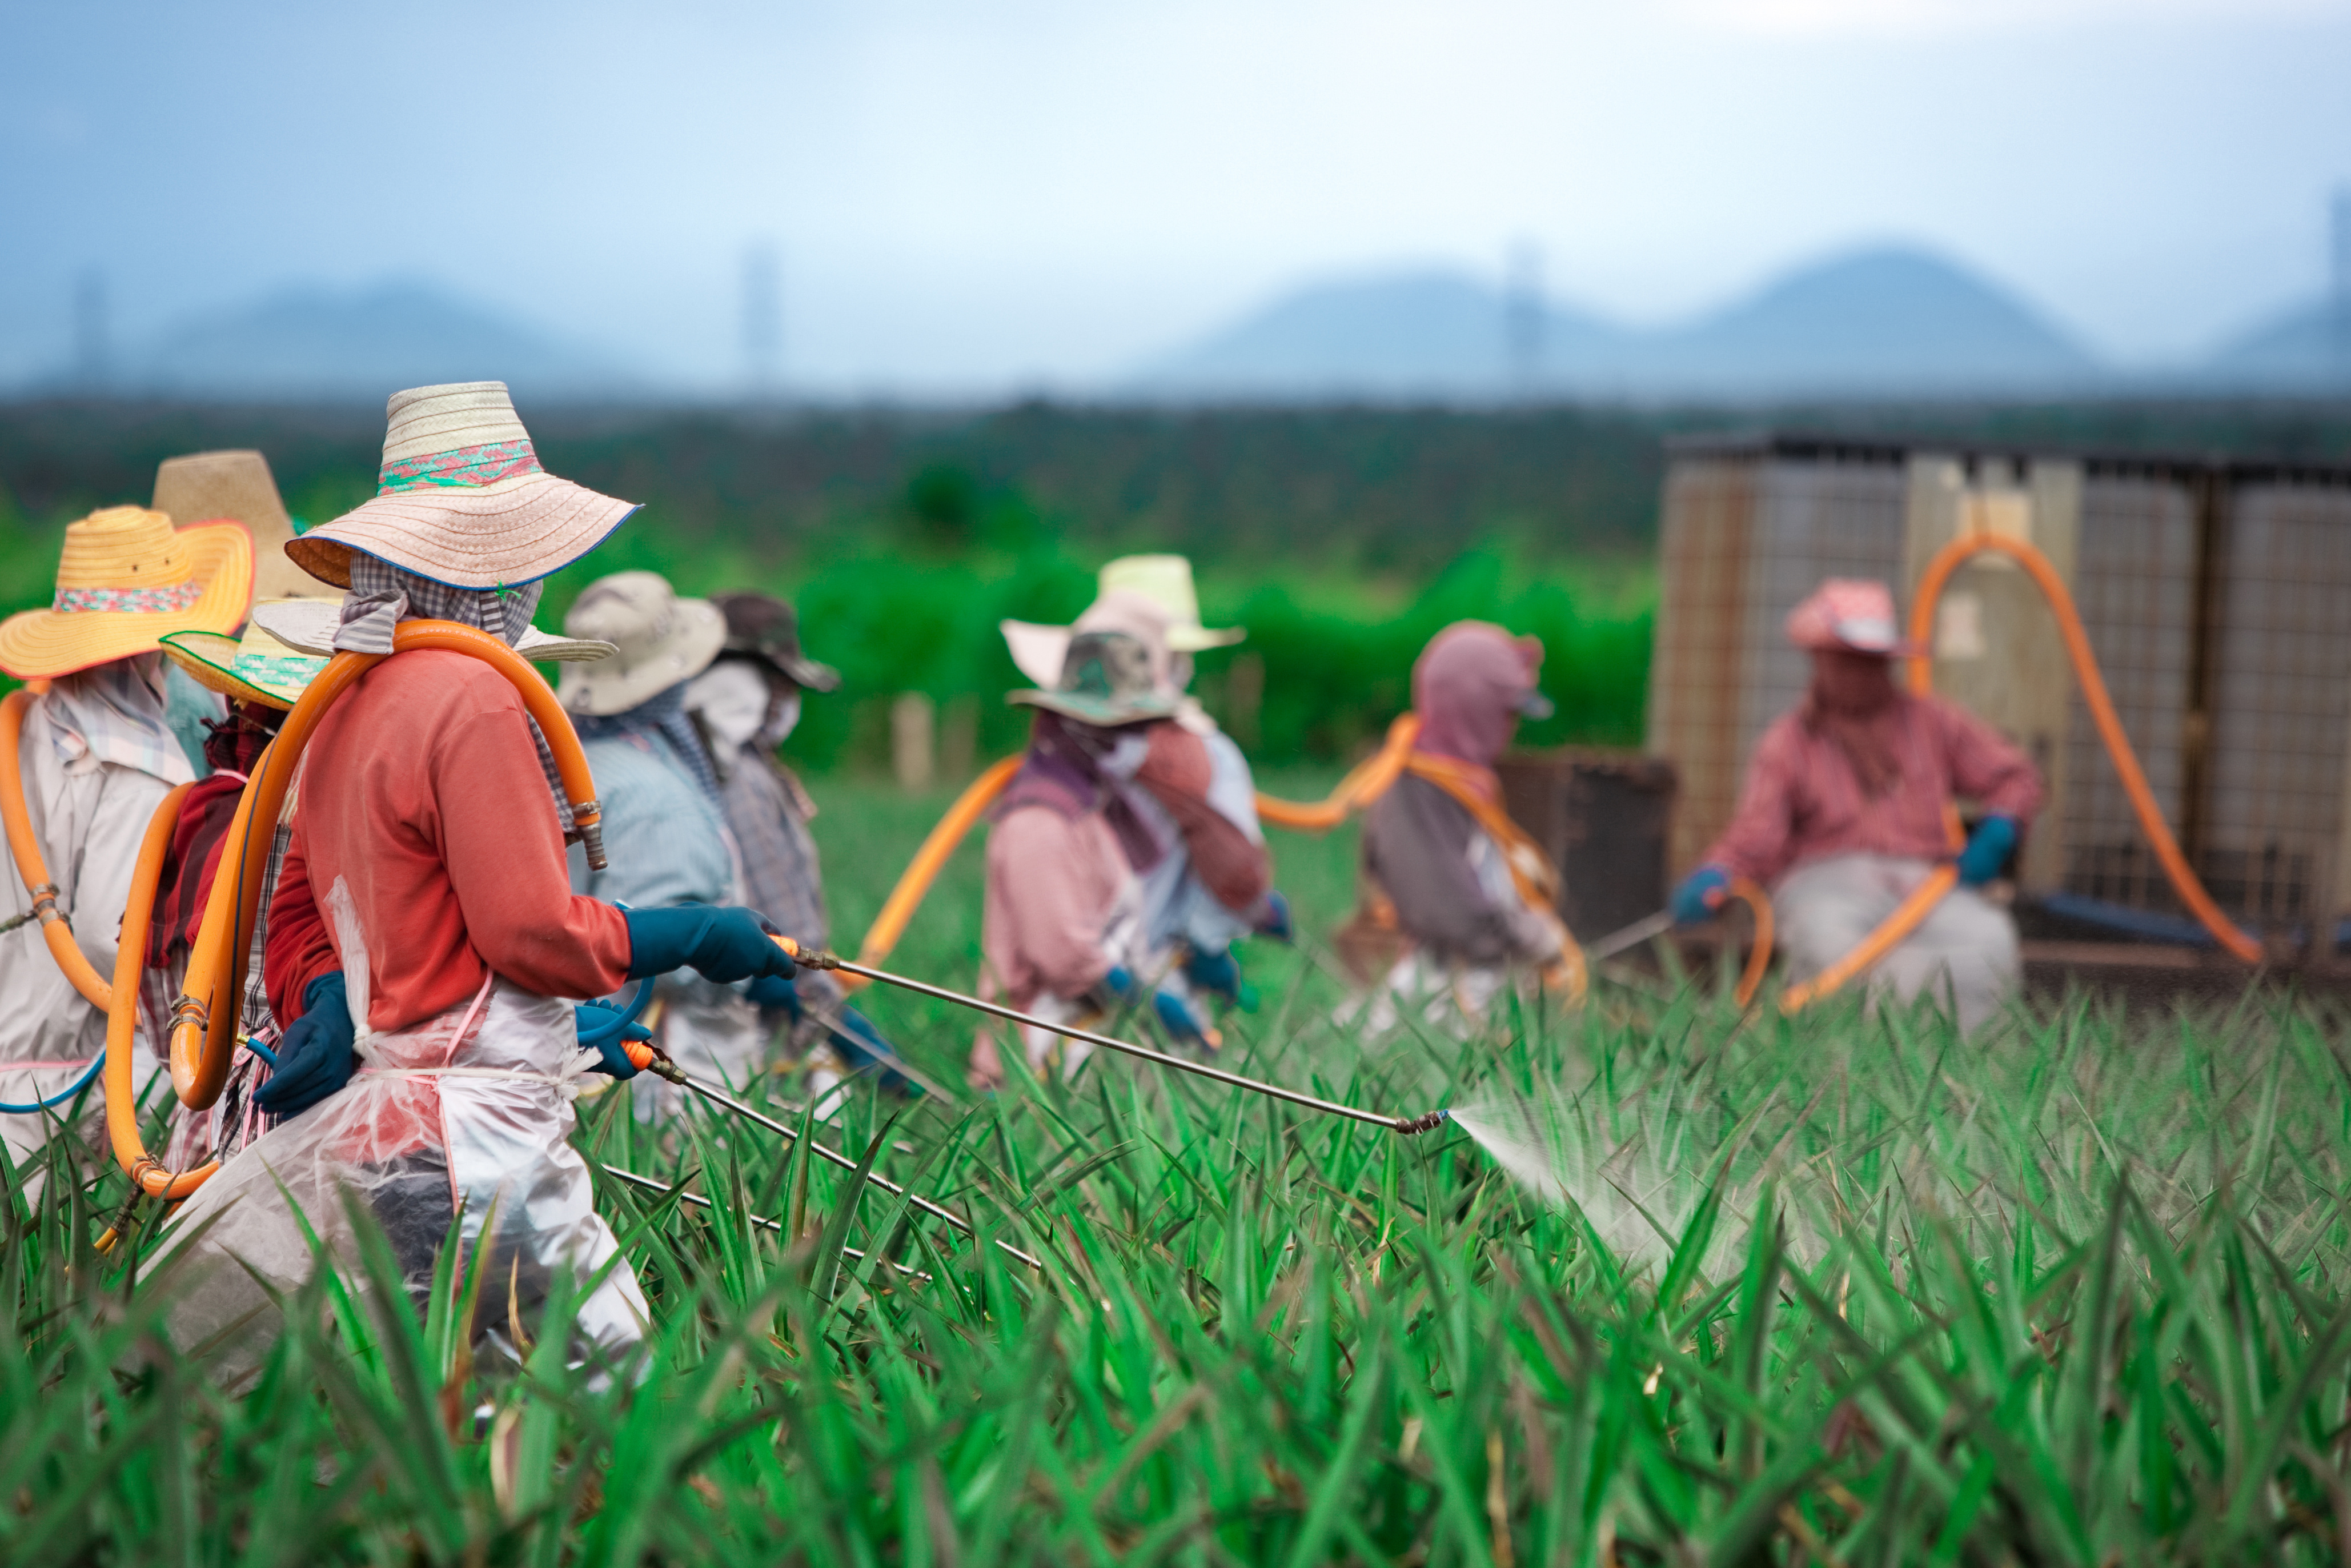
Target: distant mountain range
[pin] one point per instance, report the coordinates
(1886, 321)
(318, 342)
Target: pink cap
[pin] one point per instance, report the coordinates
(1849, 613)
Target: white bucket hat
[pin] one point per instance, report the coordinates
(461, 499)
(658, 639)
(1038, 650)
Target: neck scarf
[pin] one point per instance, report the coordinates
(383, 595)
(116, 713)
(1072, 769)
(662, 714)
(742, 709)
(1851, 713)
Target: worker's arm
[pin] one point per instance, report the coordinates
(1763, 827)
(1052, 904)
(1180, 774)
(1417, 845)
(502, 848)
(1986, 765)
(296, 949)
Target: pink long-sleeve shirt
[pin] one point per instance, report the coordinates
(1052, 883)
(1801, 802)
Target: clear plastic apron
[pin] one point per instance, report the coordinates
(467, 1114)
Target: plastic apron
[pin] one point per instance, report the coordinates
(466, 1114)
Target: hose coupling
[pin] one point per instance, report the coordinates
(189, 1012)
(588, 822)
(45, 904)
(1416, 1125)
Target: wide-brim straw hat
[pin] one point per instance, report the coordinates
(236, 487)
(461, 499)
(659, 640)
(126, 579)
(254, 668)
(1038, 650)
(308, 626)
(1115, 669)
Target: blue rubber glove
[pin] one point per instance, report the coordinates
(593, 1021)
(723, 945)
(1116, 989)
(773, 991)
(1699, 895)
(1220, 973)
(862, 1046)
(1275, 920)
(315, 1052)
(1176, 1017)
(1988, 850)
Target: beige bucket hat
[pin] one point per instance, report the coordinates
(461, 499)
(1164, 580)
(308, 626)
(254, 668)
(659, 640)
(207, 486)
(126, 579)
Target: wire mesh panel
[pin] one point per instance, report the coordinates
(1694, 674)
(2281, 701)
(2135, 585)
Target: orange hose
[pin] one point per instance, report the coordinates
(56, 930)
(1364, 783)
(2183, 877)
(1759, 960)
(914, 882)
(122, 1017)
(204, 1019)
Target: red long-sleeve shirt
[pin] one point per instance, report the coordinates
(421, 790)
(1803, 803)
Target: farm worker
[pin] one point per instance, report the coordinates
(664, 823)
(95, 755)
(1455, 897)
(426, 942)
(1844, 813)
(1062, 931)
(1214, 886)
(744, 704)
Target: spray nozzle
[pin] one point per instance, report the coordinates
(1415, 1126)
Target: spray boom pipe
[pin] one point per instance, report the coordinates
(1407, 1125)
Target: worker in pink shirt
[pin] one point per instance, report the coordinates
(1844, 813)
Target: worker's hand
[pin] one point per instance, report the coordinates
(594, 1021)
(1176, 1017)
(1273, 918)
(314, 1056)
(1700, 895)
(773, 991)
(1114, 990)
(862, 1046)
(1988, 850)
(1220, 972)
(723, 945)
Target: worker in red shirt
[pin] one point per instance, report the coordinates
(426, 950)
(1844, 813)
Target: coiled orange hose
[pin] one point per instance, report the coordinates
(1907, 917)
(56, 930)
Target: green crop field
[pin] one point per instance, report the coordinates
(1839, 1292)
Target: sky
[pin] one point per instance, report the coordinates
(971, 198)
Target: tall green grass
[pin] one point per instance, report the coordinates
(2068, 1293)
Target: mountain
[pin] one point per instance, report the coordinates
(2303, 350)
(1881, 320)
(317, 342)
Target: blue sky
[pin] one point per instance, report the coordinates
(1038, 193)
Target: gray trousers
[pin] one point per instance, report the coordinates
(1963, 955)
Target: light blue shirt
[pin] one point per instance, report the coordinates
(664, 837)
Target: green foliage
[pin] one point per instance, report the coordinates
(2071, 1293)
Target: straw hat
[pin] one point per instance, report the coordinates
(1106, 680)
(308, 626)
(125, 579)
(1851, 613)
(1164, 580)
(661, 640)
(254, 668)
(461, 499)
(206, 486)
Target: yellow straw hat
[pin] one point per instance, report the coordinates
(1164, 580)
(206, 486)
(126, 579)
(254, 668)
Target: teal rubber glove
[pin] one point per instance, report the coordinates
(1699, 895)
(723, 945)
(1988, 850)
